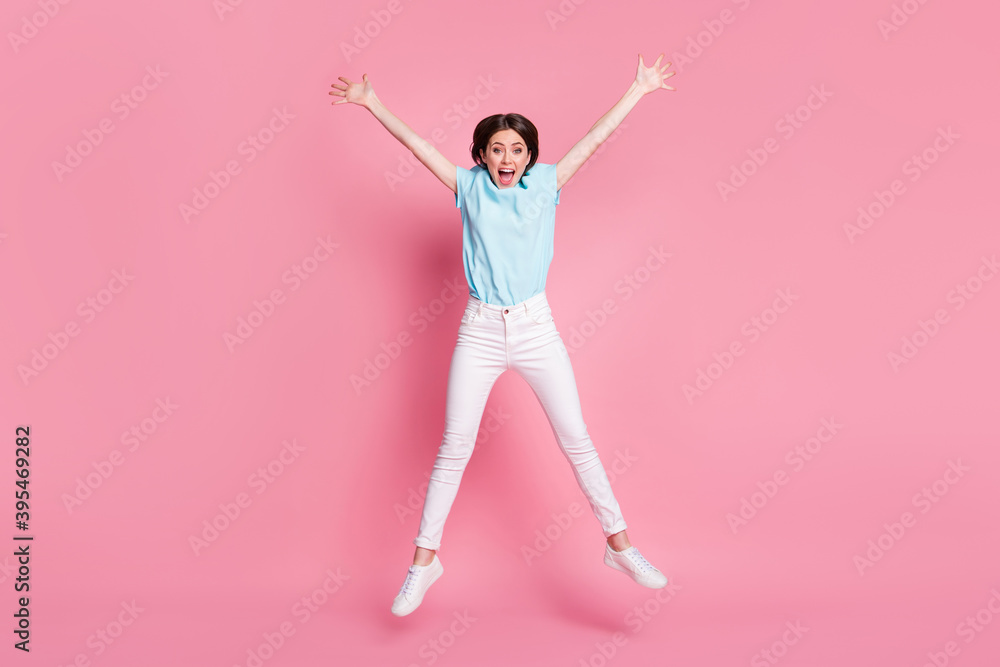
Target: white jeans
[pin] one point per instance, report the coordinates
(523, 338)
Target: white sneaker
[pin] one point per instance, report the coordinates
(632, 563)
(418, 580)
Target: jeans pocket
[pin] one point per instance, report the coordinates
(541, 315)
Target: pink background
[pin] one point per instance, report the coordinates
(338, 504)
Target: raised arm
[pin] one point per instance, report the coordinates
(362, 94)
(647, 79)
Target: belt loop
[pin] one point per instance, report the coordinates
(480, 310)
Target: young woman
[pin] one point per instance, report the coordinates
(508, 205)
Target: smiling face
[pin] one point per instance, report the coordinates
(506, 156)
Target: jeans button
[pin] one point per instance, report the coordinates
(505, 311)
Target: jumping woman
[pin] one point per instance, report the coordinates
(507, 202)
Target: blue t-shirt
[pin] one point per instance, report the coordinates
(507, 234)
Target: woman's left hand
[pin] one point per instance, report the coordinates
(652, 77)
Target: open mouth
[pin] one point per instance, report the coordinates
(506, 176)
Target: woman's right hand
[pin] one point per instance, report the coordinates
(359, 92)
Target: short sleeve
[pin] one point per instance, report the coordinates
(545, 173)
(463, 177)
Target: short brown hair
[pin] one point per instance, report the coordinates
(489, 126)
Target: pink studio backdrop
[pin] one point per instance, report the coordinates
(229, 309)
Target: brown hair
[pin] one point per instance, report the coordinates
(489, 126)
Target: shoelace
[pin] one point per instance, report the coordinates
(411, 580)
(639, 560)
